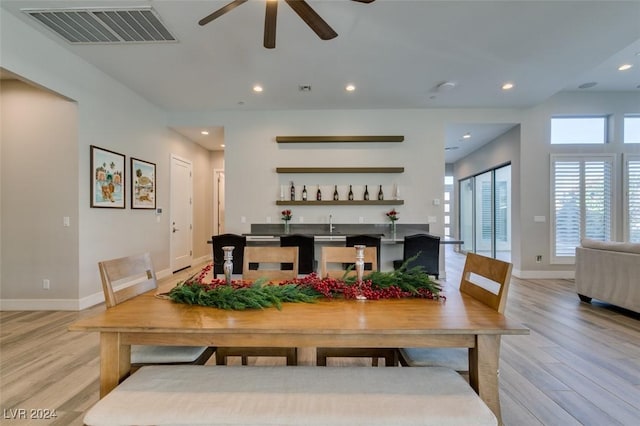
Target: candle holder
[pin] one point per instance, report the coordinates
(360, 270)
(228, 263)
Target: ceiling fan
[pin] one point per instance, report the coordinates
(301, 7)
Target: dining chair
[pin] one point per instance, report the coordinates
(486, 280)
(267, 262)
(335, 261)
(264, 257)
(369, 241)
(427, 249)
(342, 256)
(238, 242)
(306, 252)
(138, 269)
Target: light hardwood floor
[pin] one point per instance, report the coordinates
(580, 365)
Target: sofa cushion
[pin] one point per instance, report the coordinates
(611, 245)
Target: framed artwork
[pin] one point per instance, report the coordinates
(107, 178)
(143, 184)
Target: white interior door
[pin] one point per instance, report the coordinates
(218, 202)
(181, 213)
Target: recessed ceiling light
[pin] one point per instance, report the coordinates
(257, 88)
(507, 86)
(222, 145)
(350, 88)
(466, 136)
(625, 67)
(204, 132)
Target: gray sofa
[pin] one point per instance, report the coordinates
(610, 272)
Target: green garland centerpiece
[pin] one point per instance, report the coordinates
(401, 283)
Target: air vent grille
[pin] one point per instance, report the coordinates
(104, 25)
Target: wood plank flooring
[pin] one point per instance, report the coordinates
(580, 365)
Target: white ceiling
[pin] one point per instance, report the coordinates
(395, 52)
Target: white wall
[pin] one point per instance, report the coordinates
(39, 175)
(535, 172)
(109, 115)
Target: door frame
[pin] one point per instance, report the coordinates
(216, 201)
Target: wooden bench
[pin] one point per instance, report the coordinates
(241, 395)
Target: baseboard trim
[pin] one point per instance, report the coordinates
(39, 305)
(543, 275)
(75, 304)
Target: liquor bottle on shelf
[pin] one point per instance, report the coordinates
(350, 196)
(293, 191)
(319, 194)
(366, 193)
(380, 194)
(336, 197)
(304, 192)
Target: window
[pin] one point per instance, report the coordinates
(582, 202)
(632, 128)
(579, 130)
(632, 199)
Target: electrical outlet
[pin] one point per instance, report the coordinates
(539, 258)
(46, 284)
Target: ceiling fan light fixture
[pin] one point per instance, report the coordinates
(350, 88)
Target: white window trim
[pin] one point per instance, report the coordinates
(625, 183)
(567, 260)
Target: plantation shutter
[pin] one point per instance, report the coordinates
(582, 201)
(566, 197)
(633, 199)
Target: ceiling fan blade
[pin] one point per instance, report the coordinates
(313, 20)
(270, 24)
(365, 1)
(218, 13)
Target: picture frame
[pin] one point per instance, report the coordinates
(108, 179)
(143, 184)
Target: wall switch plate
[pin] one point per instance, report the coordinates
(66, 222)
(46, 284)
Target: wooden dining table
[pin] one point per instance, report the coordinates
(457, 321)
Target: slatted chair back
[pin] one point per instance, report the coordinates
(269, 259)
(368, 241)
(486, 280)
(137, 269)
(333, 259)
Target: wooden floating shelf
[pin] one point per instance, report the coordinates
(341, 203)
(340, 170)
(337, 139)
